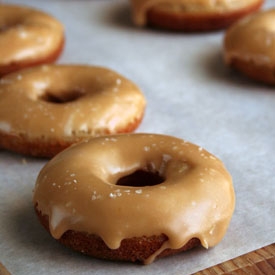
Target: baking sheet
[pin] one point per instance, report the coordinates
(191, 95)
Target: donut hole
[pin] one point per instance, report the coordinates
(61, 96)
(11, 23)
(141, 178)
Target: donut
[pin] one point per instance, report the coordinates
(28, 37)
(134, 197)
(249, 46)
(191, 15)
(47, 108)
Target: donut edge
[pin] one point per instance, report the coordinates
(191, 22)
(50, 58)
(48, 148)
(136, 250)
(260, 73)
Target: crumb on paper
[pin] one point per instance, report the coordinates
(24, 161)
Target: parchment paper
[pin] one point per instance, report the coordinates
(191, 95)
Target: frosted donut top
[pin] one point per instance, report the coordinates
(78, 190)
(252, 39)
(141, 7)
(26, 34)
(59, 102)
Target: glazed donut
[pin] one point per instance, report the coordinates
(249, 46)
(134, 197)
(28, 37)
(54, 106)
(191, 15)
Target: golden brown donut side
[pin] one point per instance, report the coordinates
(191, 16)
(202, 22)
(260, 73)
(48, 148)
(36, 148)
(137, 249)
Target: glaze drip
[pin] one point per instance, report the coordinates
(194, 197)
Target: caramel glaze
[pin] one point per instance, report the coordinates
(27, 36)
(141, 7)
(78, 190)
(252, 39)
(67, 103)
